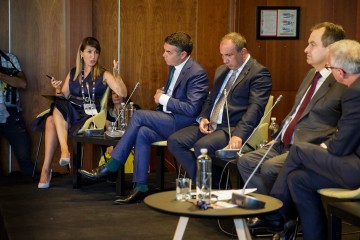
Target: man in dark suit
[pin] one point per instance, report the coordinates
(316, 121)
(246, 100)
(179, 104)
(333, 164)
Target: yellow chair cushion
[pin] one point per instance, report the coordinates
(340, 193)
(99, 120)
(160, 143)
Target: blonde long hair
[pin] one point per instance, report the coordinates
(97, 70)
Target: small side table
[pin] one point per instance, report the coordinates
(78, 143)
(165, 202)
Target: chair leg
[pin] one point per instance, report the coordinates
(296, 228)
(160, 155)
(10, 158)
(37, 154)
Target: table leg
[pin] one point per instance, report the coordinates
(334, 227)
(242, 229)
(160, 167)
(77, 164)
(120, 181)
(180, 229)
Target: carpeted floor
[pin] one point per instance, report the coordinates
(62, 212)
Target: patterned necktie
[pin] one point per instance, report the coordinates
(220, 103)
(159, 107)
(290, 129)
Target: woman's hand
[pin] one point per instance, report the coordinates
(115, 64)
(56, 83)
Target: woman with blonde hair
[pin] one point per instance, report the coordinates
(78, 99)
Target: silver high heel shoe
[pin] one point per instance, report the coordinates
(45, 185)
(64, 161)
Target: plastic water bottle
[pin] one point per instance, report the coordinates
(131, 110)
(273, 127)
(203, 177)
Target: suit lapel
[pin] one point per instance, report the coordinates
(183, 72)
(303, 90)
(329, 81)
(243, 73)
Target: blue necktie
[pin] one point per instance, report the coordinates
(159, 107)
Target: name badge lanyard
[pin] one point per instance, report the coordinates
(89, 102)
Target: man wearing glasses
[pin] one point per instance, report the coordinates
(313, 117)
(333, 164)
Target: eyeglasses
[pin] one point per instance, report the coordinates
(328, 67)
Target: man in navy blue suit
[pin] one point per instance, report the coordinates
(248, 84)
(179, 103)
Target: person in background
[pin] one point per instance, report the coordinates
(179, 102)
(79, 99)
(114, 107)
(248, 84)
(12, 125)
(314, 115)
(334, 163)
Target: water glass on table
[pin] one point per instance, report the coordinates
(183, 189)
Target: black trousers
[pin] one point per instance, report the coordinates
(15, 132)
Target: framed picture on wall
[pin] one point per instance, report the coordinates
(277, 22)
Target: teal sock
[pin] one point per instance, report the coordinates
(142, 187)
(113, 165)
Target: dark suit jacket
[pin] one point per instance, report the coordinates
(319, 119)
(189, 93)
(247, 98)
(338, 166)
(346, 140)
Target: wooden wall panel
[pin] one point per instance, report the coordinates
(357, 34)
(39, 45)
(4, 25)
(212, 24)
(286, 59)
(144, 25)
(43, 37)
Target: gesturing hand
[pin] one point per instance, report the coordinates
(55, 83)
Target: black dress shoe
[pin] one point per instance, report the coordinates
(134, 196)
(264, 224)
(99, 173)
(289, 230)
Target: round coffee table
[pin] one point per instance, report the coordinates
(165, 202)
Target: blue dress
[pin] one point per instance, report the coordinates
(72, 108)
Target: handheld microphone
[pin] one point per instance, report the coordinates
(250, 202)
(262, 119)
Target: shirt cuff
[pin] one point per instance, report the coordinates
(163, 100)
